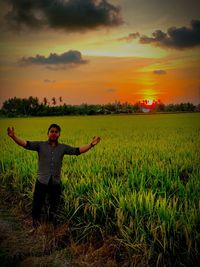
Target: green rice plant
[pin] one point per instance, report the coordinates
(140, 183)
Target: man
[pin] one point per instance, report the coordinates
(50, 156)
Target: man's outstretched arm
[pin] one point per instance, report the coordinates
(19, 141)
(94, 142)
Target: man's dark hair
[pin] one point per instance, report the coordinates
(54, 126)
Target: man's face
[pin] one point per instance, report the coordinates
(53, 134)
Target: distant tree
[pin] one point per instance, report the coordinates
(60, 99)
(190, 107)
(12, 107)
(53, 101)
(182, 107)
(137, 107)
(17, 106)
(160, 107)
(31, 107)
(45, 101)
(34, 105)
(197, 108)
(170, 108)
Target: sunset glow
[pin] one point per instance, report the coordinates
(150, 104)
(129, 56)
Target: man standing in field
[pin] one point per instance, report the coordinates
(50, 156)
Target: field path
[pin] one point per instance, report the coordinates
(47, 247)
(19, 248)
(15, 244)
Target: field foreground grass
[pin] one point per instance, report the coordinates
(140, 185)
(48, 246)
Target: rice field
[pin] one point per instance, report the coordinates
(141, 183)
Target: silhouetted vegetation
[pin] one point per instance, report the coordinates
(17, 107)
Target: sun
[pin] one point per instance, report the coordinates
(150, 101)
(149, 104)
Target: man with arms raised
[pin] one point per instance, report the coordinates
(50, 156)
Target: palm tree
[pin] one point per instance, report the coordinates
(60, 99)
(45, 101)
(53, 101)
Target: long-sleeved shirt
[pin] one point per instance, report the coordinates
(50, 159)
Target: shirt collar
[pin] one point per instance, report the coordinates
(51, 144)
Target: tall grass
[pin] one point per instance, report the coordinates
(140, 183)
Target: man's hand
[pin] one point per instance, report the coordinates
(11, 131)
(19, 141)
(95, 140)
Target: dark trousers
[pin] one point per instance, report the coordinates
(53, 191)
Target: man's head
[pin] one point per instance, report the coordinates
(54, 132)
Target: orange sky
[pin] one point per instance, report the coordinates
(109, 62)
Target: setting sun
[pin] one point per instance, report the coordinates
(149, 104)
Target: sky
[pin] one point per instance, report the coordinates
(100, 51)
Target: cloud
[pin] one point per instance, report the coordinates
(159, 72)
(55, 61)
(49, 81)
(110, 90)
(130, 37)
(176, 38)
(71, 15)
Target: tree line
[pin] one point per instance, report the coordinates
(31, 106)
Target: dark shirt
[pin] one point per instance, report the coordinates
(50, 159)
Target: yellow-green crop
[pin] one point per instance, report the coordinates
(141, 182)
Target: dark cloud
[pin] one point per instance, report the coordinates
(63, 14)
(159, 72)
(130, 37)
(55, 61)
(177, 38)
